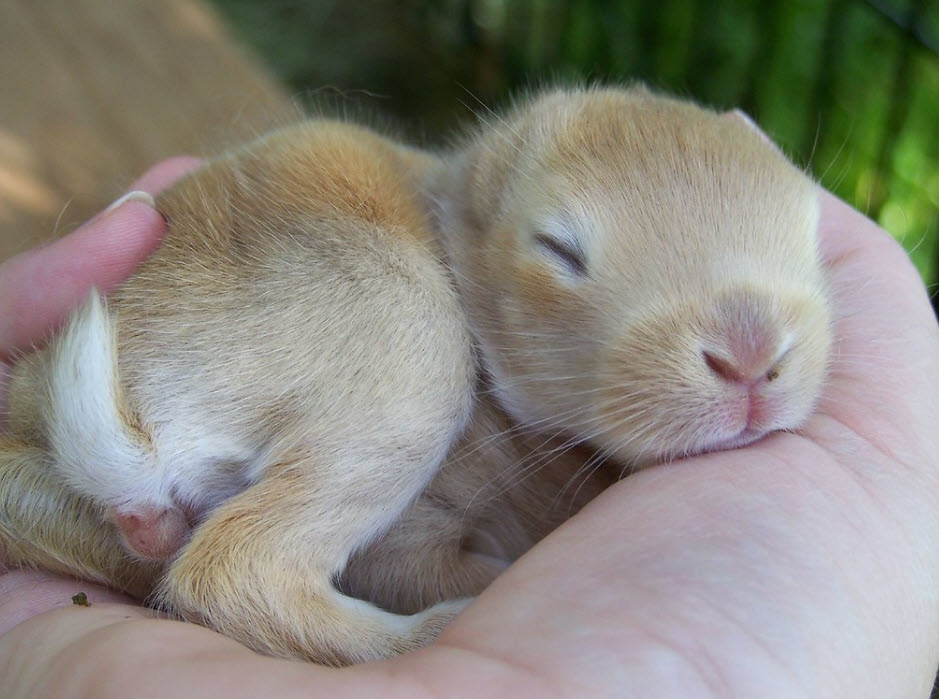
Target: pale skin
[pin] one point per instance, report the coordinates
(803, 565)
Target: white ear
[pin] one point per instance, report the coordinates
(97, 448)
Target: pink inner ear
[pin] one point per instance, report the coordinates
(152, 532)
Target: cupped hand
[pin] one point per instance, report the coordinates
(804, 565)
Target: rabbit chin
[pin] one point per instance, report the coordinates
(732, 424)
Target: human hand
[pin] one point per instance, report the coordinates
(803, 565)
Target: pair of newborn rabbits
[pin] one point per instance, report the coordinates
(358, 379)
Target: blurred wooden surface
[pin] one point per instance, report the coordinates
(93, 93)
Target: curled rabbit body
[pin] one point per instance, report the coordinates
(609, 279)
(266, 394)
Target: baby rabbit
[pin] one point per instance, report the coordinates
(642, 281)
(636, 277)
(285, 375)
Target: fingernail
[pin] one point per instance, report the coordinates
(136, 195)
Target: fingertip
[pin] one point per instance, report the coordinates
(40, 287)
(842, 229)
(108, 249)
(165, 173)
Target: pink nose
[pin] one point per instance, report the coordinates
(747, 349)
(746, 372)
(740, 369)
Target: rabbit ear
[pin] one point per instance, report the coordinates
(97, 448)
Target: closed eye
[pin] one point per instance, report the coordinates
(568, 256)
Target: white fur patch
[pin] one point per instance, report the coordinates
(98, 453)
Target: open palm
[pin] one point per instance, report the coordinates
(804, 565)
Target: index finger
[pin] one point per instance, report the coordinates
(38, 288)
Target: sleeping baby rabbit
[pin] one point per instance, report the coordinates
(357, 380)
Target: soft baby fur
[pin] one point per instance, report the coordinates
(354, 361)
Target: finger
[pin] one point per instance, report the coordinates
(163, 174)
(39, 287)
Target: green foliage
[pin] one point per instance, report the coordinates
(849, 88)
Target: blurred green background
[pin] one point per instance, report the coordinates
(849, 88)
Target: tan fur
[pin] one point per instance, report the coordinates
(298, 360)
(298, 411)
(693, 229)
(691, 224)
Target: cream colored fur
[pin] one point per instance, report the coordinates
(696, 235)
(291, 368)
(637, 279)
(89, 439)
